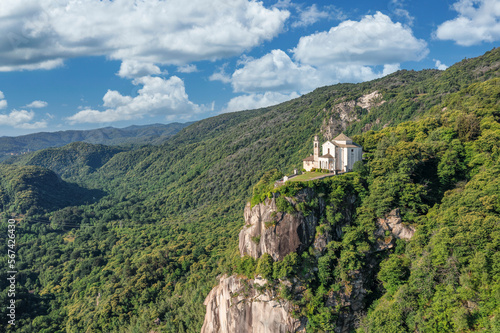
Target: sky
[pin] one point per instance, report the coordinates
(81, 64)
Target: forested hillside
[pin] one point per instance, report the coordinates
(166, 218)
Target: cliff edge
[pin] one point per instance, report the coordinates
(267, 230)
(236, 305)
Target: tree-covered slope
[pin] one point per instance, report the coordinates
(71, 161)
(169, 223)
(36, 190)
(451, 280)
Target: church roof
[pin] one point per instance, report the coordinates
(309, 158)
(342, 137)
(327, 156)
(349, 145)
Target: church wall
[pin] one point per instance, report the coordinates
(328, 145)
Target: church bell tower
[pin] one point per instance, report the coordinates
(316, 147)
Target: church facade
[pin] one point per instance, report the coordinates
(338, 155)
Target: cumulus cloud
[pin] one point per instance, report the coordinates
(42, 33)
(274, 72)
(439, 65)
(255, 101)
(158, 96)
(21, 119)
(350, 52)
(374, 40)
(37, 105)
(477, 21)
(133, 69)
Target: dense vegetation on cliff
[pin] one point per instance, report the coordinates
(441, 172)
(163, 221)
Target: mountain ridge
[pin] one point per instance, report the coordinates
(135, 134)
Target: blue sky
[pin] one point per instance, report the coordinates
(80, 64)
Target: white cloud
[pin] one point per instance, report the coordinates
(221, 75)
(40, 34)
(3, 102)
(397, 8)
(309, 16)
(35, 125)
(375, 40)
(477, 21)
(133, 68)
(255, 101)
(21, 119)
(439, 65)
(158, 96)
(37, 105)
(39, 65)
(187, 69)
(390, 68)
(275, 72)
(351, 52)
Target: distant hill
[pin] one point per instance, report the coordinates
(34, 189)
(154, 134)
(71, 161)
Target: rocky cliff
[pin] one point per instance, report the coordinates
(240, 304)
(345, 113)
(267, 230)
(390, 228)
(237, 305)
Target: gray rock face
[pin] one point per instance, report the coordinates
(345, 113)
(392, 223)
(236, 306)
(277, 233)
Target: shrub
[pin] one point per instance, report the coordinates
(287, 267)
(394, 271)
(282, 205)
(265, 266)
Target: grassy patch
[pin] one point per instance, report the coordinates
(306, 176)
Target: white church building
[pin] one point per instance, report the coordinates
(339, 155)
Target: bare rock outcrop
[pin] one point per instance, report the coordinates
(345, 113)
(370, 100)
(390, 228)
(236, 305)
(277, 233)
